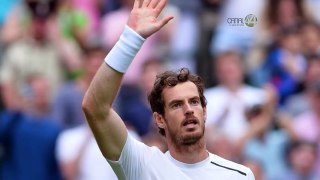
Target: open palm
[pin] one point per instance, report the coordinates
(144, 17)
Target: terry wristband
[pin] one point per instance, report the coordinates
(122, 54)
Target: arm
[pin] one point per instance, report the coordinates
(259, 124)
(108, 128)
(68, 50)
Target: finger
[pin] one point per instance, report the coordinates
(161, 4)
(136, 4)
(146, 3)
(154, 3)
(164, 21)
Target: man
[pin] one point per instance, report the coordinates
(29, 137)
(307, 124)
(232, 98)
(41, 50)
(179, 109)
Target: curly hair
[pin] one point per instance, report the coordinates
(171, 79)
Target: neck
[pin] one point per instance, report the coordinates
(189, 153)
(233, 87)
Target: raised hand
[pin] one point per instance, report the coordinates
(144, 17)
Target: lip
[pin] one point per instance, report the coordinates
(190, 122)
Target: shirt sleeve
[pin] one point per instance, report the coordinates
(132, 160)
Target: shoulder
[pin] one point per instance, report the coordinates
(230, 166)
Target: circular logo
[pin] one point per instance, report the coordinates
(250, 20)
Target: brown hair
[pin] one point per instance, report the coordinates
(273, 5)
(171, 79)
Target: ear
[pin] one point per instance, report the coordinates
(159, 120)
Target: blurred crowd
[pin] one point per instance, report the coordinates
(262, 83)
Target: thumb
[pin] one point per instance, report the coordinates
(164, 21)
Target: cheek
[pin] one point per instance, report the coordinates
(173, 120)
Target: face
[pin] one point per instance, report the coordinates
(303, 159)
(287, 10)
(313, 71)
(229, 70)
(292, 43)
(310, 38)
(38, 99)
(184, 117)
(39, 29)
(149, 76)
(314, 98)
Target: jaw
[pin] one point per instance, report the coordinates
(186, 135)
(191, 138)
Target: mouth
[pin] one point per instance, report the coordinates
(190, 123)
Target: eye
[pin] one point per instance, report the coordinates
(176, 105)
(195, 102)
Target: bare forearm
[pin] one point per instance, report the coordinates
(102, 91)
(106, 82)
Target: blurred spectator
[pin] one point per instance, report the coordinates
(66, 108)
(301, 158)
(282, 13)
(93, 11)
(37, 100)
(299, 103)
(29, 138)
(209, 17)
(134, 108)
(310, 34)
(132, 101)
(276, 15)
(228, 102)
(185, 34)
(240, 37)
(307, 125)
(264, 144)
(285, 65)
(218, 143)
(73, 22)
(79, 156)
(41, 51)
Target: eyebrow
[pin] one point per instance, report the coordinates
(174, 102)
(179, 101)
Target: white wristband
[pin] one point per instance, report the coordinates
(121, 55)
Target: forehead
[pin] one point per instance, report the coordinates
(227, 59)
(180, 91)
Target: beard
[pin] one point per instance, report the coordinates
(186, 138)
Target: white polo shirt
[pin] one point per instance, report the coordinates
(140, 162)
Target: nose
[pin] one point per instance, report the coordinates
(188, 110)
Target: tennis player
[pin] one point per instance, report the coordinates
(179, 110)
